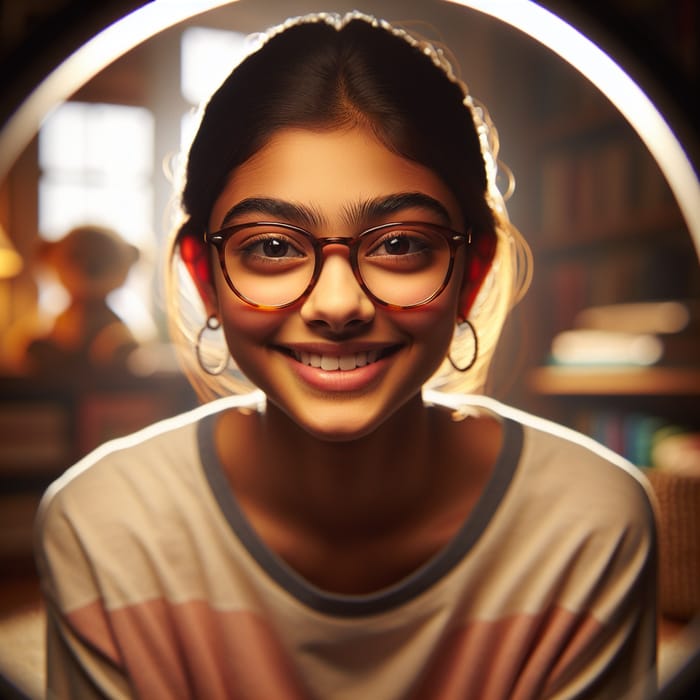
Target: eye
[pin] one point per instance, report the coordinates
(400, 243)
(267, 250)
(272, 246)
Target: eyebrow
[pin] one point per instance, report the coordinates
(394, 204)
(276, 209)
(364, 211)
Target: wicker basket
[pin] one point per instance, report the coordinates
(678, 494)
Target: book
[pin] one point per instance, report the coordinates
(661, 317)
(638, 334)
(35, 437)
(586, 346)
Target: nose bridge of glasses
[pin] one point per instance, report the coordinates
(342, 246)
(346, 241)
(335, 247)
(338, 269)
(336, 295)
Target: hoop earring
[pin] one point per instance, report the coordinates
(461, 325)
(212, 324)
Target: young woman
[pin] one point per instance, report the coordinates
(341, 529)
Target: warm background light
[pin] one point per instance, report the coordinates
(10, 259)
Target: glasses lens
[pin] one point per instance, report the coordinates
(269, 265)
(404, 265)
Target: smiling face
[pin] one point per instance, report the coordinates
(335, 362)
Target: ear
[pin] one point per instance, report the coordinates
(480, 254)
(196, 256)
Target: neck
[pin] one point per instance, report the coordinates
(355, 516)
(349, 487)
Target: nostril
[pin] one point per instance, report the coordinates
(338, 329)
(355, 322)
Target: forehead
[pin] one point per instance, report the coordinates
(329, 171)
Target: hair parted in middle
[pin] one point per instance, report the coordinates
(324, 72)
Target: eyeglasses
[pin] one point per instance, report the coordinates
(273, 265)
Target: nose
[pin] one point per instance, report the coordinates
(337, 302)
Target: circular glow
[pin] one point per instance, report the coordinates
(593, 63)
(533, 20)
(92, 57)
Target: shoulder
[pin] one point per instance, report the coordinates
(135, 458)
(561, 472)
(585, 475)
(119, 520)
(135, 477)
(575, 518)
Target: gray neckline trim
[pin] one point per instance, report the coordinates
(393, 596)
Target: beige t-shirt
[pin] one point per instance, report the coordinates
(157, 587)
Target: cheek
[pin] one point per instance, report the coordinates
(431, 326)
(241, 321)
(247, 332)
(245, 326)
(437, 317)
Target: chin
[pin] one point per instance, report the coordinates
(344, 421)
(336, 426)
(342, 435)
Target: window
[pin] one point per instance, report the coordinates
(96, 164)
(207, 57)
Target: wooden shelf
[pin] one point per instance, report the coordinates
(663, 225)
(620, 381)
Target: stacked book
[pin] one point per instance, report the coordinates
(634, 334)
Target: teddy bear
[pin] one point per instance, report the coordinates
(90, 262)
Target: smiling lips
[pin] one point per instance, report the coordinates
(345, 362)
(331, 363)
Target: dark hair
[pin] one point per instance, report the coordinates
(315, 76)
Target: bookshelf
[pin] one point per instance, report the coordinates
(616, 381)
(604, 229)
(47, 423)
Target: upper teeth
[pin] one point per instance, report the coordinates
(331, 363)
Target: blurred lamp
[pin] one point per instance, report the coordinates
(10, 259)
